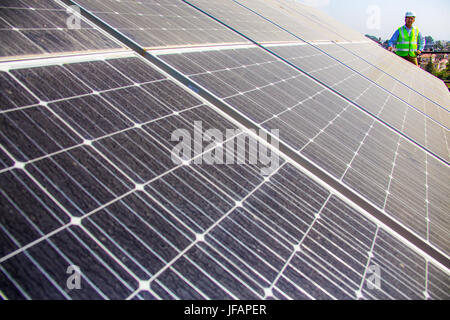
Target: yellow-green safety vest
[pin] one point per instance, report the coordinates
(407, 43)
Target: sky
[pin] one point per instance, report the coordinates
(382, 17)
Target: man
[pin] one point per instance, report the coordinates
(408, 40)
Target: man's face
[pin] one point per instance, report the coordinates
(409, 21)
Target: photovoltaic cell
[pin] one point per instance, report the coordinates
(170, 93)
(34, 132)
(27, 213)
(137, 155)
(51, 83)
(139, 105)
(98, 75)
(13, 95)
(91, 116)
(135, 69)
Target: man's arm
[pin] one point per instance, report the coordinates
(421, 42)
(393, 40)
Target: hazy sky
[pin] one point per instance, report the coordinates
(381, 17)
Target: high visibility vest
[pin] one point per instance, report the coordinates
(407, 43)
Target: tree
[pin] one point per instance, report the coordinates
(443, 74)
(446, 72)
(438, 45)
(430, 68)
(429, 39)
(373, 38)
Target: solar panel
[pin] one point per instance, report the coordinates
(95, 183)
(38, 27)
(160, 24)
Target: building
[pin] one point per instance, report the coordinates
(425, 59)
(439, 60)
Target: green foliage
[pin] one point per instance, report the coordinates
(429, 39)
(438, 45)
(443, 74)
(430, 68)
(373, 38)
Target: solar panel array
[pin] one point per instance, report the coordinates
(353, 147)
(88, 176)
